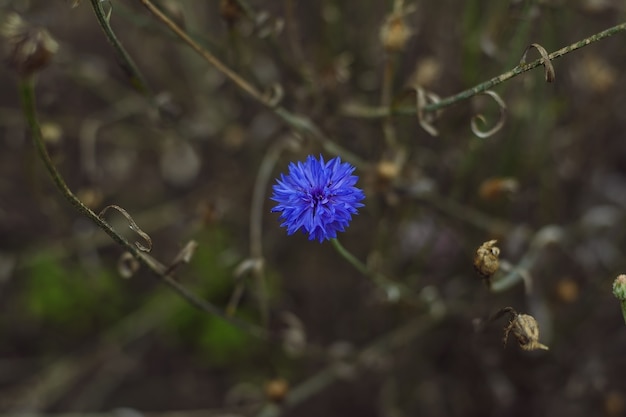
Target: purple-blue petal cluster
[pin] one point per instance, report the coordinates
(317, 197)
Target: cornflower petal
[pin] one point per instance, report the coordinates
(317, 197)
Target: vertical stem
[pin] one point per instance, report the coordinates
(385, 99)
(125, 61)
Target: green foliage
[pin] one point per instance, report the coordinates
(70, 297)
(213, 340)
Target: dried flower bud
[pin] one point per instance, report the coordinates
(276, 389)
(395, 33)
(486, 260)
(231, 12)
(27, 48)
(525, 329)
(495, 188)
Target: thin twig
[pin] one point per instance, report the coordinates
(381, 112)
(126, 62)
(298, 123)
(27, 94)
(208, 56)
(393, 290)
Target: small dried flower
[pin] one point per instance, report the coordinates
(231, 12)
(27, 48)
(317, 197)
(525, 329)
(395, 32)
(495, 188)
(276, 389)
(486, 260)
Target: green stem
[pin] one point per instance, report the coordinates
(378, 112)
(125, 61)
(393, 290)
(27, 95)
(360, 266)
(623, 307)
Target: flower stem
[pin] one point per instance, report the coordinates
(360, 266)
(393, 290)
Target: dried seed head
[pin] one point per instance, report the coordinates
(486, 260)
(526, 331)
(27, 48)
(231, 12)
(276, 389)
(495, 188)
(619, 287)
(524, 328)
(395, 33)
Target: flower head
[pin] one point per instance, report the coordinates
(317, 197)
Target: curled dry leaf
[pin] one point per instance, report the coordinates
(425, 119)
(274, 95)
(547, 64)
(127, 265)
(133, 226)
(479, 117)
(184, 256)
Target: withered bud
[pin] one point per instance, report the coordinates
(27, 48)
(395, 33)
(526, 331)
(276, 389)
(486, 260)
(494, 188)
(231, 12)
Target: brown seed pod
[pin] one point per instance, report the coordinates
(28, 49)
(524, 328)
(495, 188)
(276, 389)
(486, 260)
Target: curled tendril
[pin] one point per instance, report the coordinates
(133, 226)
(547, 64)
(274, 95)
(127, 265)
(479, 117)
(425, 98)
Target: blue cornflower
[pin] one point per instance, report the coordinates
(317, 197)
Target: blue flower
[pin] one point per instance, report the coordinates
(317, 197)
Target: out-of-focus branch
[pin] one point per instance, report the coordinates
(27, 94)
(299, 123)
(126, 62)
(381, 112)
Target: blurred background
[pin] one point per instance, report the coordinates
(81, 334)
